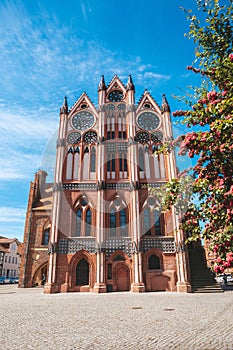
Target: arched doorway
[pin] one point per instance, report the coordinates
(122, 279)
(40, 276)
(82, 273)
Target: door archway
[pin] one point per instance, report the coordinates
(82, 273)
(122, 279)
(40, 276)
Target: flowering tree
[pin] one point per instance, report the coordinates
(210, 108)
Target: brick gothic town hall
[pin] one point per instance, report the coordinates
(96, 228)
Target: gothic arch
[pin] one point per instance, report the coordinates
(119, 267)
(81, 254)
(37, 279)
(118, 217)
(150, 252)
(119, 252)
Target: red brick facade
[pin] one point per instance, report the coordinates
(96, 228)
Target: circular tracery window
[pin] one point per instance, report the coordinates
(90, 137)
(73, 138)
(142, 137)
(157, 136)
(148, 121)
(83, 120)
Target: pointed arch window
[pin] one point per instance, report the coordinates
(157, 222)
(88, 222)
(112, 223)
(147, 225)
(78, 222)
(123, 222)
(141, 159)
(118, 219)
(93, 160)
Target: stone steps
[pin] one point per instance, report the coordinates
(202, 280)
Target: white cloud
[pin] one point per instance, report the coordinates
(12, 214)
(12, 222)
(41, 62)
(23, 138)
(156, 76)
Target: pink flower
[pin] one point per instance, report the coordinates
(218, 260)
(231, 56)
(212, 95)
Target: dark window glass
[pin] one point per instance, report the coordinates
(147, 222)
(125, 163)
(123, 222)
(93, 160)
(113, 164)
(78, 222)
(141, 160)
(45, 240)
(113, 223)
(157, 222)
(88, 222)
(121, 163)
(154, 262)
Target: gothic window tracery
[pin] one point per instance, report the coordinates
(110, 107)
(78, 222)
(73, 138)
(152, 222)
(83, 220)
(157, 136)
(121, 107)
(118, 219)
(83, 120)
(88, 219)
(90, 137)
(142, 137)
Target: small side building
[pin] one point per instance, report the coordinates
(10, 256)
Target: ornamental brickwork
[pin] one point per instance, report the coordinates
(97, 227)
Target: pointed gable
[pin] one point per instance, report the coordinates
(116, 84)
(147, 102)
(82, 103)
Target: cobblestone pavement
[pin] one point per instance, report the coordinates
(31, 320)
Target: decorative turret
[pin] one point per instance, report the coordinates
(130, 84)
(39, 183)
(165, 105)
(102, 85)
(64, 107)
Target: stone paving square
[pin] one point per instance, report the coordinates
(30, 319)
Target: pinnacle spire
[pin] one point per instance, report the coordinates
(165, 105)
(130, 84)
(102, 85)
(64, 107)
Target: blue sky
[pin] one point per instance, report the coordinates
(54, 48)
